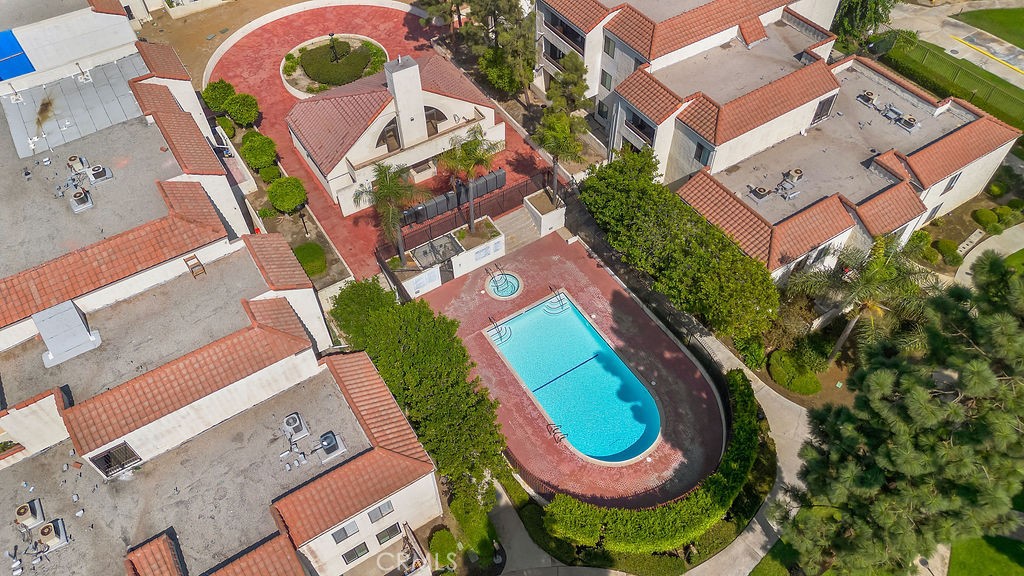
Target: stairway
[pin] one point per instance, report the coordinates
(518, 229)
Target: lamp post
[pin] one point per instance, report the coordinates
(334, 51)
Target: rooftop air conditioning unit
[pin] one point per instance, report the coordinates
(81, 201)
(29, 515)
(331, 445)
(794, 175)
(295, 427)
(99, 173)
(77, 164)
(908, 123)
(53, 535)
(867, 98)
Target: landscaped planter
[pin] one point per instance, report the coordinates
(546, 217)
(465, 252)
(478, 251)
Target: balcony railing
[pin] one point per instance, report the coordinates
(554, 62)
(560, 32)
(640, 132)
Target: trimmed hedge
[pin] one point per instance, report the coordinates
(984, 217)
(996, 189)
(257, 150)
(788, 373)
(1007, 216)
(227, 126)
(443, 548)
(217, 93)
(243, 109)
(287, 194)
(312, 258)
(930, 255)
(673, 525)
(947, 248)
(351, 64)
(270, 173)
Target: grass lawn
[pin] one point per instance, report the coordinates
(1007, 23)
(1016, 260)
(988, 556)
(777, 562)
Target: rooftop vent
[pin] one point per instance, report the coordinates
(53, 535)
(77, 164)
(295, 427)
(331, 445)
(760, 193)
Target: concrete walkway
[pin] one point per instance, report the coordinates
(934, 25)
(1005, 244)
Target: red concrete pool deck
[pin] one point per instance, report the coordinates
(252, 65)
(692, 426)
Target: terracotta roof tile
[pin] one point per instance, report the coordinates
(276, 261)
(376, 409)
(635, 29)
(112, 259)
(275, 557)
(108, 7)
(724, 209)
(154, 558)
(278, 314)
(345, 491)
(147, 398)
(161, 59)
(894, 163)
(808, 229)
(752, 30)
(959, 148)
(153, 98)
(652, 98)
(440, 76)
(585, 14)
(188, 144)
(890, 209)
(188, 201)
(701, 115)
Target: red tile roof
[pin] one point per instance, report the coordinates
(584, 14)
(752, 30)
(808, 229)
(373, 405)
(108, 7)
(636, 30)
(955, 150)
(161, 59)
(329, 124)
(652, 98)
(147, 398)
(153, 98)
(191, 223)
(721, 123)
(890, 209)
(894, 163)
(157, 557)
(775, 245)
(276, 261)
(724, 209)
(345, 491)
(275, 557)
(179, 129)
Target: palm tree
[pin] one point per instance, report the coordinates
(559, 135)
(467, 156)
(881, 285)
(392, 191)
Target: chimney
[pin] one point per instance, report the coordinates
(403, 77)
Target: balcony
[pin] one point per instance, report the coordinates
(567, 35)
(642, 130)
(554, 62)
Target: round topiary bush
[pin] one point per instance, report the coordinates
(227, 126)
(996, 189)
(243, 109)
(312, 258)
(287, 194)
(443, 548)
(217, 93)
(984, 217)
(947, 248)
(257, 150)
(1016, 204)
(270, 173)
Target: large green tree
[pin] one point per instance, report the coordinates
(446, 11)
(559, 134)
(503, 37)
(930, 452)
(691, 262)
(391, 191)
(567, 88)
(427, 368)
(856, 19)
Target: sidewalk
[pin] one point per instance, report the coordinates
(934, 25)
(1005, 244)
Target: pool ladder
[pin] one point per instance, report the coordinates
(558, 304)
(499, 333)
(556, 432)
(499, 278)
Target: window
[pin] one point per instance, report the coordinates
(388, 533)
(381, 511)
(952, 182)
(606, 80)
(609, 46)
(345, 531)
(389, 136)
(434, 118)
(355, 553)
(641, 126)
(128, 12)
(702, 154)
(824, 107)
(117, 459)
(602, 110)
(637, 63)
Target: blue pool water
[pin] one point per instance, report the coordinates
(580, 382)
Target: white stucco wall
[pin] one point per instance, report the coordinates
(486, 253)
(188, 422)
(36, 426)
(679, 161)
(426, 281)
(781, 274)
(307, 307)
(972, 181)
(545, 223)
(691, 50)
(416, 504)
(821, 12)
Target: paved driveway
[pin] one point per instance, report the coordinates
(1005, 244)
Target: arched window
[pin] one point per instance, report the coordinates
(434, 118)
(389, 136)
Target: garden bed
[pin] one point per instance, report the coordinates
(483, 231)
(313, 68)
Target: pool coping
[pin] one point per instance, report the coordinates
(490, 292)
(547, 417)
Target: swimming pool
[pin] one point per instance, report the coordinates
(586, 390)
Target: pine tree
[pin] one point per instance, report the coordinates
(567, 88)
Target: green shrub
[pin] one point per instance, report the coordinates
(787, 373)
(996, 189)
(443, 548)
(752, 351)
(217, 93)
(290, 65)
(938, 222)
(930, 255)
(947, 248)
(270, 173)
(811, 353)
(243, 109)
(287, 194)
(499, 71)
(673, 525)
(377, 58)
(994, 229)
(984, 217)
(227, 126)
(475, 529)
(312, 257)
(265, 213)
(351, 64)
(257, 150)
(1016, 204)
(918, 241)
(1007, 216)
